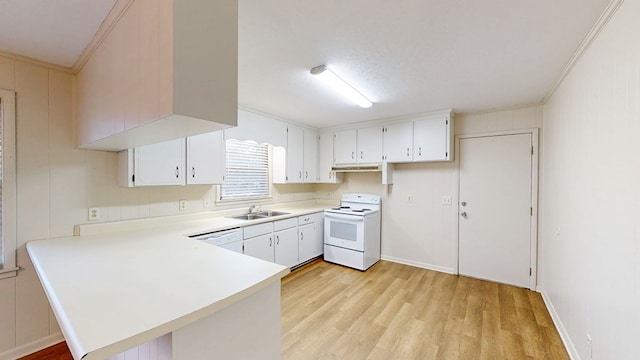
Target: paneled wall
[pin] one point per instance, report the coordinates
(590, 232)
(422, 232)
(56, 185)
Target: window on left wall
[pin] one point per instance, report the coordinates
(7, 184)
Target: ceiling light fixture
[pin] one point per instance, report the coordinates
(337, 84)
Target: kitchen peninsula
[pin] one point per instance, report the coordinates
(114, 291)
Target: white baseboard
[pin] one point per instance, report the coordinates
(566, 340)
(32, 347)
(419, 264)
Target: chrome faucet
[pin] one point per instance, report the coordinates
(252, 208)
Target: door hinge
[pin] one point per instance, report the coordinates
(531, 211)
(529, 271)
(532, 150)
(446, 154)
(133, 178)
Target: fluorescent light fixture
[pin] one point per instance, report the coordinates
(340, 86)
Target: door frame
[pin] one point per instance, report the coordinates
(533, 237)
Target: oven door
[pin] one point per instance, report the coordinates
(345, 231)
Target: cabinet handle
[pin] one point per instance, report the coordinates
(301, 236)
(270, 241)
(177, 172)
(353, 156)
(306, 174)
(329, 174)
(420, 151)
(407, 151)
(277, 239)
(361, 155)
(299, 174)
(193, 171)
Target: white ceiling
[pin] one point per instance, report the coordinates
(407, 56)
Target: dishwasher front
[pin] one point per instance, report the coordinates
(229, 239)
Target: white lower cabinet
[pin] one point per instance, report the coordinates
(286, 238)
(258, 241)
(311, 236)
(287, 242)
(274, 241)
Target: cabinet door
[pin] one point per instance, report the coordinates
(318, 240)
(206, 158)
(369, 145)
(260, 247)
(431, 139)
(295, 151)
(398, 142)
(325, 160)
(310, 156)
(307, 247)
(286, 248)
(344, 147)
(160, 164)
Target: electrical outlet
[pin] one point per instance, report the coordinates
(409, 198)
(446, 200)
(589, 346)
(182, 205)
(94, 214)
(206, 203)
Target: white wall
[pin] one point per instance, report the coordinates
(590, 227)
(57, 183)
(422, 233)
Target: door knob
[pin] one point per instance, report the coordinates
(464, 203)
(463, 214)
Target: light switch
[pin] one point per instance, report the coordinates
(446, 200)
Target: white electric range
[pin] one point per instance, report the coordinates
(352, 231)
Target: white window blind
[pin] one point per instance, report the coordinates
(247, 174)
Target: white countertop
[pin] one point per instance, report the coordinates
(113, 290)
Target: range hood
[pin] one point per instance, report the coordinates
(357, 168)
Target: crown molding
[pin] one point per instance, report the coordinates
(604, 18)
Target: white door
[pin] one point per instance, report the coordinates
(286, 248)
(295, 158)
(369, 142)
(344, 147)
(260, 247)
(430, 139)
(398, 142)
(310, 156)
(160, 164)
(495, 208)
(307, 242)
(206, 158)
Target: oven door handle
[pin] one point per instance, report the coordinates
(352, 218)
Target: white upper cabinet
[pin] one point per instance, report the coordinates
(398, 142)
(150, 165)
(206, 158)
(325, 160)
(369, 145)
(345, 146)
(198, 159)
(165, 70)
(432, 138)
(298, 161)
(358, 146)
(310, 152)
(295, 154)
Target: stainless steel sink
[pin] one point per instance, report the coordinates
(270, 213)
(248, 217)
(259, 215)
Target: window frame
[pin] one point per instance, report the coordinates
(248, 200)
(8, 266)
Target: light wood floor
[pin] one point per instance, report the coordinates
(394, 311)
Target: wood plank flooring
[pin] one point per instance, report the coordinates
(393, 311)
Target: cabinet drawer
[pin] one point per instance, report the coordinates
(311, 218)
(285, 224)
(256, 230)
